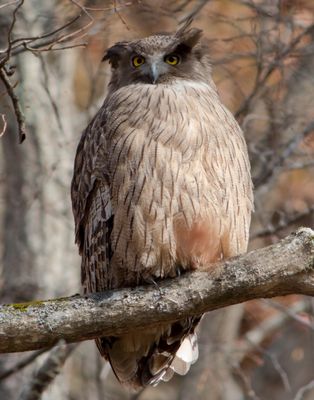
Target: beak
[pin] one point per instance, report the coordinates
(154, 73)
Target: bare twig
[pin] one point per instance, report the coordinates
(44, 42)
(259, 9)
(197, 8)
(8, 50)
(292, 312)
(81, 31)
(4, 120)
(48, 41)
(255, 337)
(46, 373)
(10, 3)
(21, 364)
(49, 48)
(30, 39)
(280, 370)
(112, 9)
(273, 65)
(245, 383)
(116, 11)
(299, 165)
(278, 162)
(16, 105)
(285, 222)
(303, 390)
(50, 97)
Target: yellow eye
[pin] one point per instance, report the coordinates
(137, 61)
(172, 59)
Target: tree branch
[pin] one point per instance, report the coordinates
(16, 105)
(284, 268)
(48, 371)
(21, 364)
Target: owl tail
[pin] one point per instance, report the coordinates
(145, 359)
(186, 355)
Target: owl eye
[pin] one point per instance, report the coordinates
(137, 61)
(172, 59)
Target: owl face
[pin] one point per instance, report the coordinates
(155, 67)
(159, 59)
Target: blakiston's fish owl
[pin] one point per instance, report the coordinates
(161, 184)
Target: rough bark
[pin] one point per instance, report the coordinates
(284, 268)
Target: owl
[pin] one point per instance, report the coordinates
(161, 186)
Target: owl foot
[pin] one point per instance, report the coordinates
(151, 281)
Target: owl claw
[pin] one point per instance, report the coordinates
(178, 270)
(153, 282)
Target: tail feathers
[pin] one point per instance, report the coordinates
(186, 355)
(180, 363)
(125, 368)
(123, 355)
(166, 376)
(141, 360)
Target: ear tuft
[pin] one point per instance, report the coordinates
(187, 23)
(191, 37)
(187, 36)
(115, 53)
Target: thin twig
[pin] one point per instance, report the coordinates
(277, 163)
(49, 94)
(192, 14)
(280, 370)
(46, 373)
(16, 105)
(22, 364)
(116, 11)
(8, 50)
(291, 312)
(260, 84)
(22, 44)
(82, 29)
(8, 4)
(245, 383)
(302, 391)
(106, 9)
(283, 223)
(256, 336)
(4, 124)
(30, 39)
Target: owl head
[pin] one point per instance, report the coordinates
(159, 59)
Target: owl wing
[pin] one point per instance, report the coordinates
(229, 162)
(92, 206)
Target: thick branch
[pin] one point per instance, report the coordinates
(284, 268)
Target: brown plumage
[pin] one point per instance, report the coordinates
(161, 184)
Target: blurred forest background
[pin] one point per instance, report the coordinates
(51, 74)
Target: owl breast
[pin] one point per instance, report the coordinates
(172, 160)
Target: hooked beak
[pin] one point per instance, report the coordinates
(154, 73)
